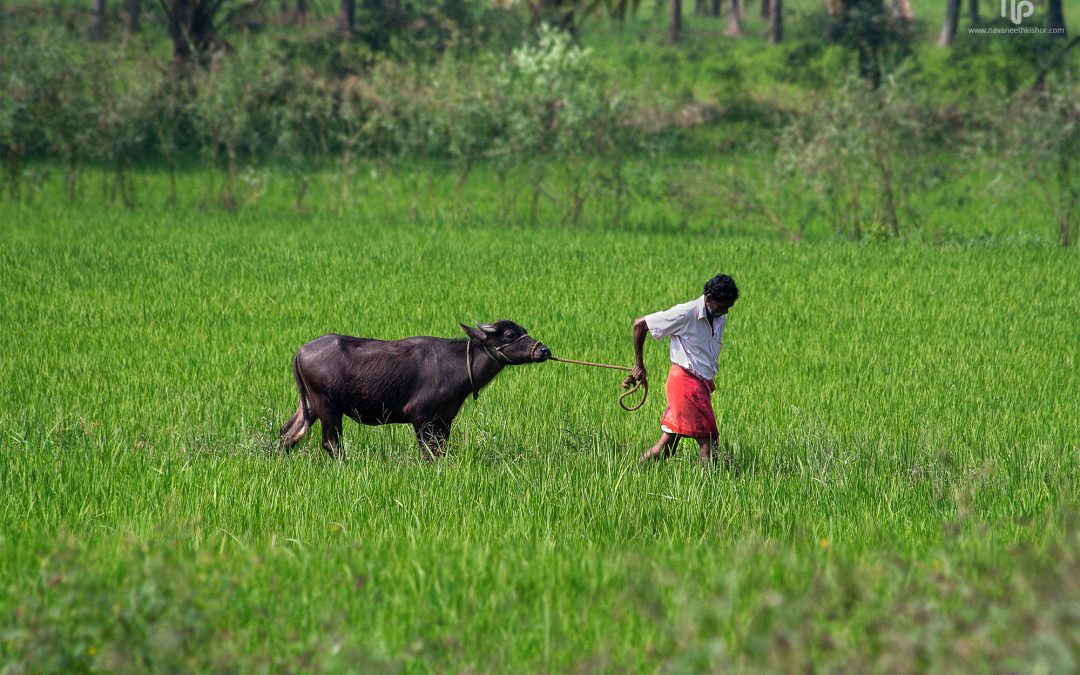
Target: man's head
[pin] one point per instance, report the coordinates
(720, 294)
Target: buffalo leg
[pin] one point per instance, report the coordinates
(295, 428)
(331, 432)
(432, 437)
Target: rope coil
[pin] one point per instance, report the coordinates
(630, 384)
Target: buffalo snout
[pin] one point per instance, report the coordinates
(542, 353)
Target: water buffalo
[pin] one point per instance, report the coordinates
(420, 381)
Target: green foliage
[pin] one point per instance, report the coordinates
(52, 89)
(408, 28)
(996, 66)
(554, 102)
(554, 107)
(857, 151)
(1042, 134)
(866, 28)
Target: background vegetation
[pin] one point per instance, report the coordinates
(896, 394)
(841, 128)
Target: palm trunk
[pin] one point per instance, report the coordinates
(132, 10)
(776, 21)
(902, 11)
(346, 18)
(734, 28)
(1055, 18)
(97, 23)
(675, 27)
(952, 18)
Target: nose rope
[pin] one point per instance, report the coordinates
(630, 384)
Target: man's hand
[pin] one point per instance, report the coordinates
(640, 329)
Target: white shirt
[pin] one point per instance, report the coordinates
(695, 343)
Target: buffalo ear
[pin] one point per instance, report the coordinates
(472, 333)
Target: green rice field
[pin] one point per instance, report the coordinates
(900, 428)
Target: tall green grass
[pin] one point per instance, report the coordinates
(899, 422)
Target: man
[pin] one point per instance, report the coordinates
(696, 329)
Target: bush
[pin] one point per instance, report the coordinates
(234, 108)
(554, 106)
(856, 151)
(1042, 132)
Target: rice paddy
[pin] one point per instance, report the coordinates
(899, 424)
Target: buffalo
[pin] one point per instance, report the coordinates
(422, 381)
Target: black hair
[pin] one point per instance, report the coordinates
(722, 287)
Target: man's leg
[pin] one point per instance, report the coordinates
(707, 448)
(663, 448)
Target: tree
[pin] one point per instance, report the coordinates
(291, 14)
(867, 28)
(973, 13)
(675, 27)
(617, 9)
(563, 14)
(346, 21)
(776, 21)
(97, 23)
(132, 10)
(902, 13)
(952, 19)
(191, 27)
(1055, 18)
(734, 28)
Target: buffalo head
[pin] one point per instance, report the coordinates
(507, 342)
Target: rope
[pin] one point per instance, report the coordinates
(629, 383)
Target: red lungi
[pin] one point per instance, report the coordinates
(689, 408)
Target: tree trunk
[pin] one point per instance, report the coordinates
(97, 23)
(675, 27)
(701, 7)
(734, 28)
(973, 13)
(952, 18)
(618, 12)
(132, 10)
(346, 18)
(301, 11)
(192, 30)
(776, 21)
(717, 7)
(1055, 18)
(902, 13)
(765, 9)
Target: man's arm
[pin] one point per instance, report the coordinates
(658, 324)
(641, 329)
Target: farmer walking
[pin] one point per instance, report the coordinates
(696, 329)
